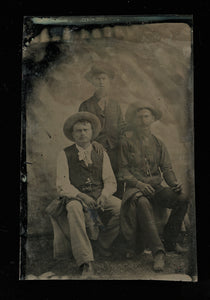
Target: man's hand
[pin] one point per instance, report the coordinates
(177, 188)
(98, 147)
(154, 180)
(100, 202)
(89, 201)
(145, 188)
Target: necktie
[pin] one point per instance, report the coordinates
(85, 156)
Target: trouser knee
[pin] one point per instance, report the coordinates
(182, 201)
(74, 206)
(143, 202)
(113, 205)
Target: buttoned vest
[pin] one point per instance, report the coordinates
(87, 179)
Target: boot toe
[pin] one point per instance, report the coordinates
(87, 270)
(159, 262)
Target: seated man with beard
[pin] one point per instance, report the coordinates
(144, 159)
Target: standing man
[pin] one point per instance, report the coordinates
(144, 159)
(109, 113)
(85, 184)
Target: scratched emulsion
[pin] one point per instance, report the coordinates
(152, 62)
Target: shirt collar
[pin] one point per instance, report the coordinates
(88, 149)
(142, 135)
(105, 98)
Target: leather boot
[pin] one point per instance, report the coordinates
(87, 270)
(175, 248)
(179, 249)
(159, 261)
(102, 251)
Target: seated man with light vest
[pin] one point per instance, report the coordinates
(85, 184)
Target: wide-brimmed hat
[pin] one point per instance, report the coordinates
(99, 68)
(93, 119)
(134, 107)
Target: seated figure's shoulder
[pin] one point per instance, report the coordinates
(69, 149)
(158, 141)
(98, 148)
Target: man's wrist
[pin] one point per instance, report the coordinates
(138, 184)
(80, 195)
(131, 182)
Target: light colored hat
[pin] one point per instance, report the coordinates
(99, 68)
(93, 119)
(134, 107)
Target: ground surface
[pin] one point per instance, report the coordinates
(41, 265)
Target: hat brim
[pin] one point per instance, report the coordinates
(96, 70)
(93, 119)
(134, 107)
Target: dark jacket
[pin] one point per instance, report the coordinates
(111, 121)
(145, 164)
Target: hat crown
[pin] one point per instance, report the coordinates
(134, 107)
(73, 119)
(100, 68)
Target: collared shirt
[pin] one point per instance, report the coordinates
(64, 186)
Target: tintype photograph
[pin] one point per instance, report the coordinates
(107, 149)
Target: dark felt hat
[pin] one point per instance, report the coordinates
(134, 107)
(100, 68)
(93, 119)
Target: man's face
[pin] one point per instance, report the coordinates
(144, 118)
(101, 81)
(82, 133)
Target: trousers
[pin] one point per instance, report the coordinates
(71, 233)
(166, 198)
